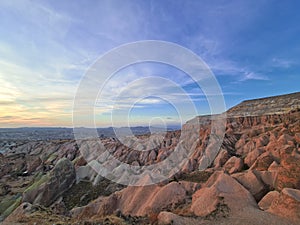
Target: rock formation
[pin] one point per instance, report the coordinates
(253, 179)
(49, 187)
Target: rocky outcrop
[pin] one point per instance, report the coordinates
(252, 183)
(151, 199)
(263, 162)
(224, 196)
(252, 157)
(287, 204)
(267, 200)
(221, 158)
(50, 186)
(234, 165)
(137, 201)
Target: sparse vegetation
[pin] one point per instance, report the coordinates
(82, 193)
(12, 207)
(197, 176)
(222, 211)
(39, 181)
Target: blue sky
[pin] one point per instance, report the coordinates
(46, 47)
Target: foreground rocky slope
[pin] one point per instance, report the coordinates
(254, 179)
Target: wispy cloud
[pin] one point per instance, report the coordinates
(283, 63)
(253, 76)
(47, 46)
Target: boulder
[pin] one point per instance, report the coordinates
(263, 162)
(49, 187)
(140, 201)
(252, 157)
(221, 158)
(252, 183)
(223, 196)
(234, 165)
(287, 204)
(267, 177)
(267, 200)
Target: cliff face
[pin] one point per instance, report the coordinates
(266, 106)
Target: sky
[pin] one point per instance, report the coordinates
(47, 47)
